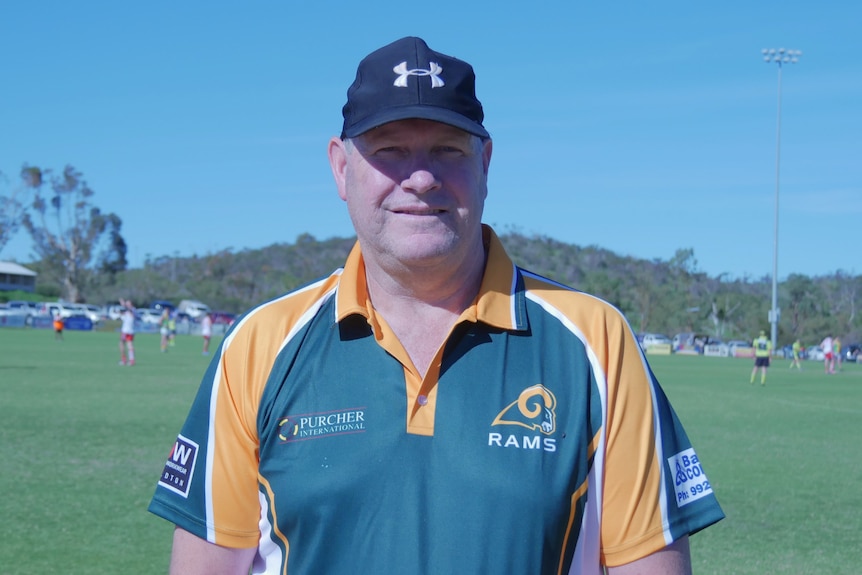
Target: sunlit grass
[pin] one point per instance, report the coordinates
(83, 441)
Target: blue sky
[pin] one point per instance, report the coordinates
(640, 127)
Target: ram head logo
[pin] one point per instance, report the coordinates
(534, 409)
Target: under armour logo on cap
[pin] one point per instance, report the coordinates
(427, 85)
(403, 73)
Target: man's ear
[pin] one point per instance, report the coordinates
(337, 152)
(487, 148)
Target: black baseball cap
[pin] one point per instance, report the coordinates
(407, 79)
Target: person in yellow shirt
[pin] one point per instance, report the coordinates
(836, 351)
(762, 351)
(797, 347)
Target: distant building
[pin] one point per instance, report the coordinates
(16, 277)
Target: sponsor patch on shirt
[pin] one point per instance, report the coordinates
(292, 428)
(180, 466)
(689, 479)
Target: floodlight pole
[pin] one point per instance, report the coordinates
(780, 57)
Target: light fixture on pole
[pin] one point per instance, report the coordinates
(780, 57)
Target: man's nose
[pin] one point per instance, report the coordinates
(421, 176)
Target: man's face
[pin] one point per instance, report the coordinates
(415, 189)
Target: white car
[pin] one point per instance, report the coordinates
(814, 352)
(68, 311)
(153, 316)
(20, 307)
(93, 312)
(79, 310)
(651, 339)
(193, 308)
(62, 309)
(112, 311)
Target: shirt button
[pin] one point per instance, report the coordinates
(423, 400)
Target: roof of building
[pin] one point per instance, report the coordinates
(15, 269)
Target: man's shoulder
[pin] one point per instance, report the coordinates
(570, 301)
(536, 283)
(291, 306)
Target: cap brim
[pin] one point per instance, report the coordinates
(441, 115)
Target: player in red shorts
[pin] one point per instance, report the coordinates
(828, 356)
(127, 333)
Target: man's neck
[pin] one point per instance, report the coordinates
(449, 286)
(422, 305)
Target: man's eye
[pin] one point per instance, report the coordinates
(449, 150)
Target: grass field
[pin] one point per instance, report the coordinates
(83, 440)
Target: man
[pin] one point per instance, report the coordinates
(58, 326)
(206, 331)
(172, 328)
(165, 329)
(127, 333)
(797, 350)
(762, 350)
(430, 408)
(828, 354)
(836, 353)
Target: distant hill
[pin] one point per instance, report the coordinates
(656, 296)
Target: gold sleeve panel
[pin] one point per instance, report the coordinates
(631, 507)
(246, 361)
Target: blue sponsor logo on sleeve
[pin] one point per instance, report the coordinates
(690, 482)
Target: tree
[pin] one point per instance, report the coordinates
(842, 293)
(11, 213)
(68, 231)
(804, 297)
(644, 295)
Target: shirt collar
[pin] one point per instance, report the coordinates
(500, 302)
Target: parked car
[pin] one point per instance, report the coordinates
(80, 310)
(161, 304)
(49, 308)
(93, 312)
(30, 306)
(193, 307)
(26, 308)
(63, 309)
(5, 310)
(149, 315)
(814, 352)
(651, 339)
(850, 353)
(112, 311)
